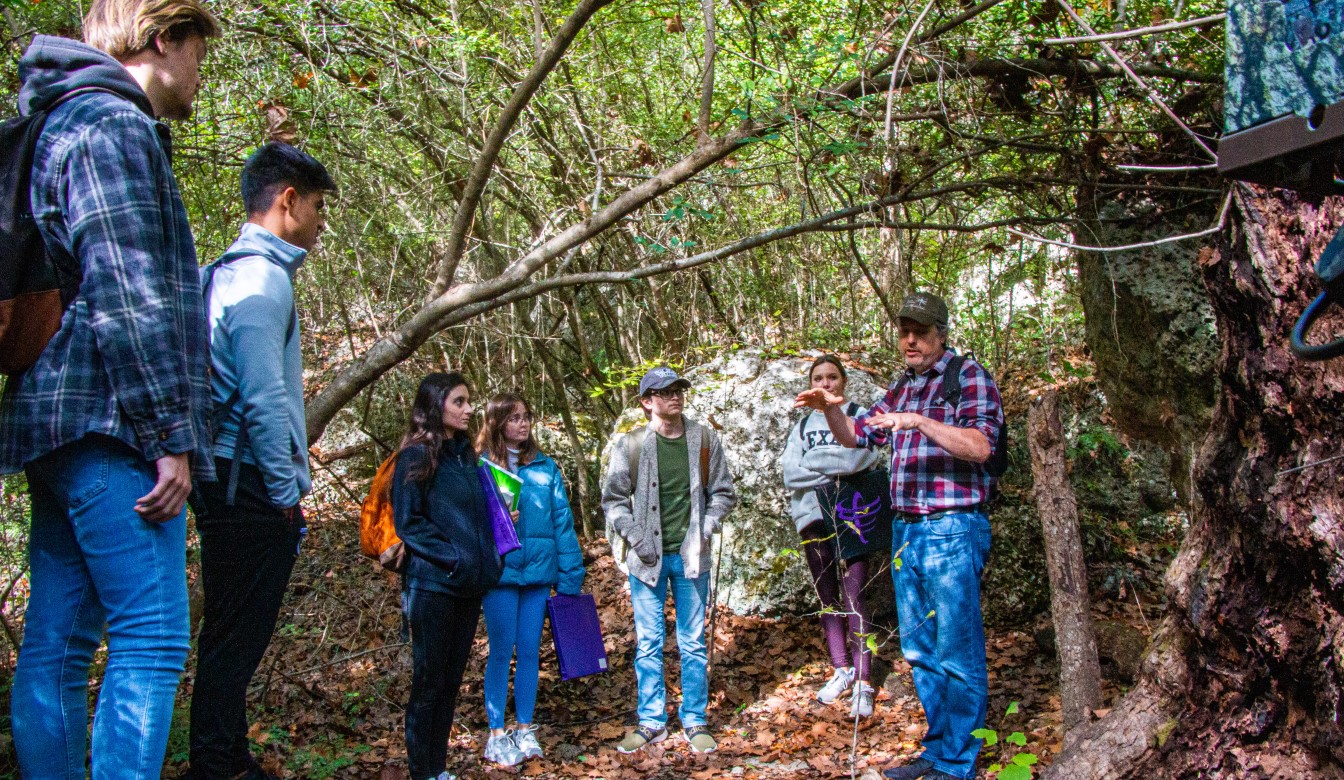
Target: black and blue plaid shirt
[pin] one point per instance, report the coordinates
(132, 357)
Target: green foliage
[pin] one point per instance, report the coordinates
(1018, 765)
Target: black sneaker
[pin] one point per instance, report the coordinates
(920, 767)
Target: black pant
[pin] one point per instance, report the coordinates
(442, 629)
(247, 553)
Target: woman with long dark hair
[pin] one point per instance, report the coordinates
(441, 516)
(838, 536)
(550, 557)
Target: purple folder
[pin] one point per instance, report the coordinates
(577, 634)
(506, 536)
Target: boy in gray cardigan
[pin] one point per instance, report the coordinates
(666, 491)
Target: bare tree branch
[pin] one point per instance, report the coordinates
(1134, 76)
(494, 144)
(823, 224)
(707, 85)
(1216, 227)
(455, 303)
(1139, 32)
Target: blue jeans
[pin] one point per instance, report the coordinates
(513, 620)
(94, 561)
(941, 562)
(689, 596)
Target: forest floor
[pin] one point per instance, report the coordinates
(328, 698)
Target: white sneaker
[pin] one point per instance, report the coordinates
(837, 685)
(445, 776)
(503, 750)
(861, 701)
(526, 740)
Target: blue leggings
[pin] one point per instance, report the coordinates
(513, 620)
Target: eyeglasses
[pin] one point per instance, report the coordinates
(669, 392)
(519, 418)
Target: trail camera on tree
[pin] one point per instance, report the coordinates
(1284, 119)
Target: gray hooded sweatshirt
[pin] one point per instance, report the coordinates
(813, 458)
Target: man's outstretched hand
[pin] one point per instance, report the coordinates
(897, 421)
(818, 399)
(165, 501)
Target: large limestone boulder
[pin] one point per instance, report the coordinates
(749, 399)
(1150, 325)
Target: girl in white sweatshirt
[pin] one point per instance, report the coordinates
(839, 529)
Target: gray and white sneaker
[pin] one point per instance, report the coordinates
(503, 750)
(837, 685)
(861, 701)
(526, 740)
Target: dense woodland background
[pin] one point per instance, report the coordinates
(553, 197)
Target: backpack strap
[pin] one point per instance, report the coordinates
(70, 274)
(633, 442)
(952, 380)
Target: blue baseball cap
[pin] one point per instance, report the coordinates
(660, 378)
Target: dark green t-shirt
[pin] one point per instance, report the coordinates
(674, 491)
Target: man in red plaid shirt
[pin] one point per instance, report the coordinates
(940, 481)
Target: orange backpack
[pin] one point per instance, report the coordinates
(377, 531)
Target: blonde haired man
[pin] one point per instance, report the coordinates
(110, 423)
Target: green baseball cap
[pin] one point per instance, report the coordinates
(924, 308)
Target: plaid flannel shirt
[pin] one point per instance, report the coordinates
(132, 357)
(925, 478)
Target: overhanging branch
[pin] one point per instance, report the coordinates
(494, 144)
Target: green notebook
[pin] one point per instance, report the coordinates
(507, 483)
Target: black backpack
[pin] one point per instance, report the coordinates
(998, 461)
(37, 281)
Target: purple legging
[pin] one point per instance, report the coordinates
(822, 559)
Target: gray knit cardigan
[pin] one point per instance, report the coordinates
(632, 513)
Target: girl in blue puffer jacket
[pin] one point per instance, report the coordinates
(549, 558)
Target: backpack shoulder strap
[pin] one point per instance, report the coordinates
(633, 442)
(952, 380)
(704, 462)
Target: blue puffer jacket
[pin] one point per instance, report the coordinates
(550, 554)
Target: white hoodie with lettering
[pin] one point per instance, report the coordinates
(812, 458)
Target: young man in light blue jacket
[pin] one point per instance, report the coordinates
(250, 522)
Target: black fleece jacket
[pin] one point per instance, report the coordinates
(444, 523)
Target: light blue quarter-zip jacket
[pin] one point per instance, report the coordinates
(254, 348)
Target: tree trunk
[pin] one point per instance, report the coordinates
(1245, 677)
(1070, 608)
(583, 503)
